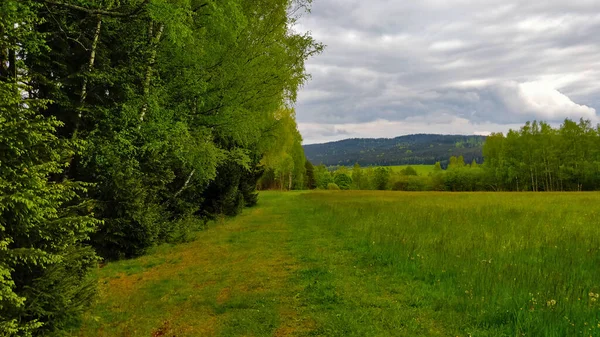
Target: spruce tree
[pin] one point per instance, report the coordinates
(44, 264)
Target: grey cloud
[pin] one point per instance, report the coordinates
(484, 61)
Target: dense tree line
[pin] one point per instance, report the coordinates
(537, 157)
(124, 124)
(284, 164)
(541, 158)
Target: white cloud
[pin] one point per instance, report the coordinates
(542, 101)
(547, 102)
(448, 45)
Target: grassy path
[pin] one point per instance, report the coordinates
(232, 281)
(267, 272)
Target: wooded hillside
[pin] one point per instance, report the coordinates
(403, 150)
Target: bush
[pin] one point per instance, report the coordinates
(409, 171)
(412, 183)
(400, 185)
(343, 181)
(333, 187)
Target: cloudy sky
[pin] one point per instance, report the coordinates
(396, 67)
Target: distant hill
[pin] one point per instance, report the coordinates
(403, 150)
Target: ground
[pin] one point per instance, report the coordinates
(368, 264)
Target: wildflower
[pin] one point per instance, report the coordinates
(551, 303)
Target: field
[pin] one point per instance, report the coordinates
(369, 264)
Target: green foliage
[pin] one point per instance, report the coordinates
(343, 181)
(456, 163)
(409, 171)
(541, 158)
(182, 105)
(284, 160)
(359, 178)
(44, 263)
(333, 187)
(310, 182)
(411, 183)
(322, 176)
(44, 222)
(381, 178)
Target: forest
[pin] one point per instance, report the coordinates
(129, 123)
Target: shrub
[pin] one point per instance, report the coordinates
(333, 187)
(409, 171)
(381, 178)
(343, 181)
(400, 185)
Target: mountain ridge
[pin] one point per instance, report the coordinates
(414, 149)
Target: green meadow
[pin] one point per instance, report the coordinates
(367, 263)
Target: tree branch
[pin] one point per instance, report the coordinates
(98, 11)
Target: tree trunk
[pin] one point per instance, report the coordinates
(154, 41)
(532, 181)
(12, 65)
(89, 69)
(187, 182)
(3, 59)
(91, 61)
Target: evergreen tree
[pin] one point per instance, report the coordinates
(44, 263)
(381, 178)
(311, 183)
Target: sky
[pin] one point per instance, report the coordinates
(394, 67)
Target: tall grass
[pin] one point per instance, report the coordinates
(501, 263)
